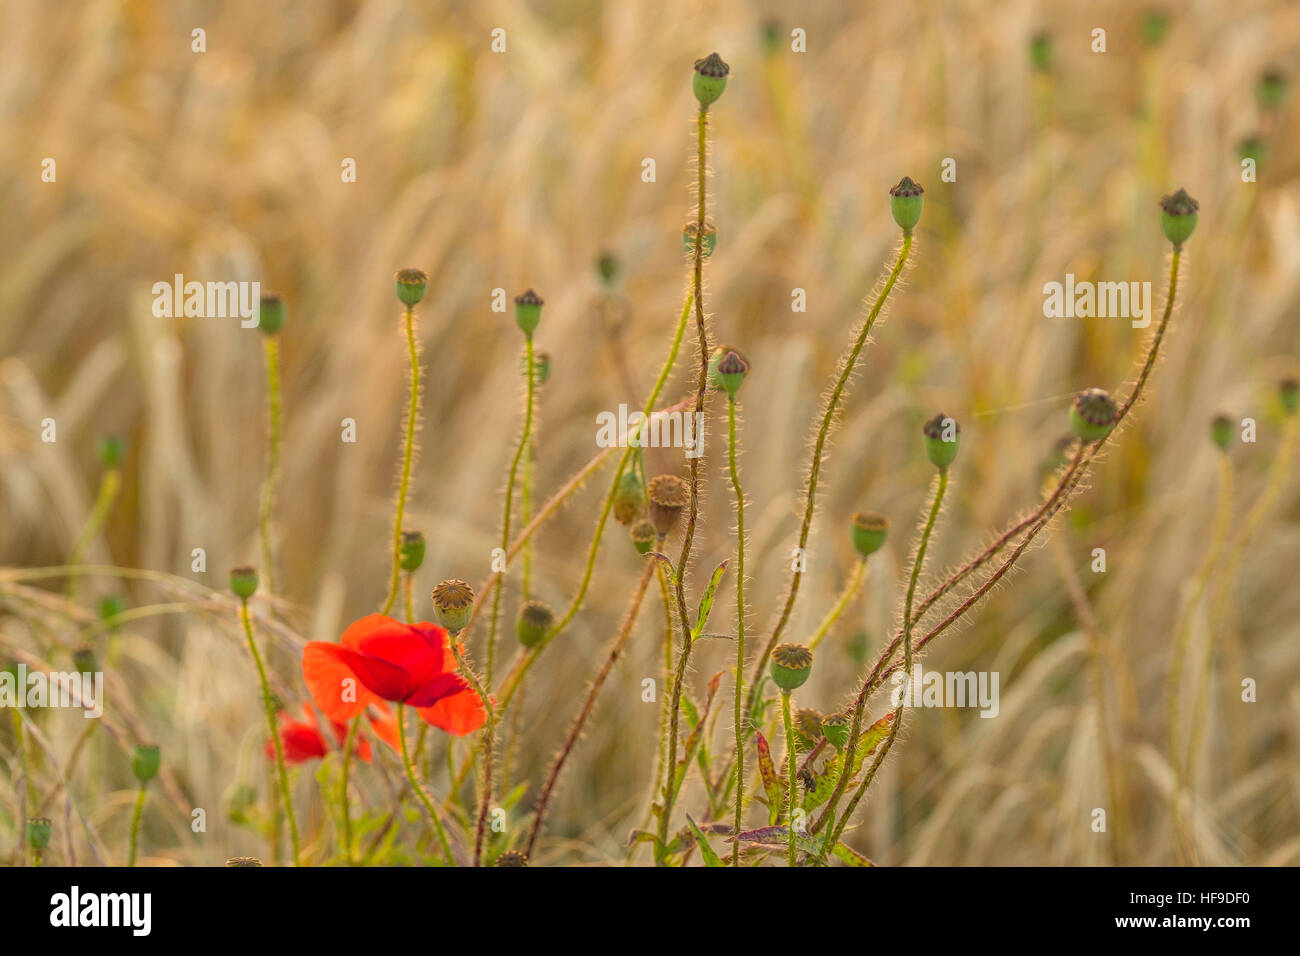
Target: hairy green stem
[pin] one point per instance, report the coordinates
(136, 816)
(408, 454)
(837, 610)
(740, 623)
(419, 789)
(109, 485)
(488, 739)
(272, 460)
(792, 792)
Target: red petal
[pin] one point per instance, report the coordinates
(459, 714)
(329, 677)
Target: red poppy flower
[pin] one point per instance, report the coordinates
(302, 740)
(380, 659)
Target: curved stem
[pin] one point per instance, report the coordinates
(109, 485)
(842, 602)
(408, 454)
(273, 458)
(136, 816)
(269, 703)
(740, 623)
(488, 738)
(419, 790)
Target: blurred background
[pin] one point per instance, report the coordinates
(516, 169)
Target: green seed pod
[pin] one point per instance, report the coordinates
(835, 728)
(1155, 24)
(38, 832)
(243, 861)
(243, 581)
(1289, 392)
(730, 368)
(1254, 148)
(412, 552)
(629, 497)
(1041, 52)
(511, 858)
(905, 202)
(941, 435)
(771, 36)
(110, 450)
(271, 314)
(145, 762)
(607, 266)
(643, 535)
(534, 622)
(411, 286)
(667, 495)
(1178, 217)
(791, 666)
(807, 727)
(1271, 89)
(85, 660)
(1093, 414)
(710, 238)
(109, 608)
(528, 311)
(1221, 431)
(453, 603)
(710, 79)
(869, 532)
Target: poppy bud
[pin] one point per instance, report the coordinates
(243, 581)
(1041, 52)
(243, 861)
(411, 286)
(84, 659)
(1271, 89)
(643, 536)
(710, 79)
(689, 232)
(109, 608)
(1093, 414)
(528, 311)
(1178, 217)
(869, 532)
(1221, 431)
(730, 367)
(110, 450)
(905, 202)
(791, 666)
(271, 314)
(607, 266)
(145, 762)
(511, 858)
(808, 726)
(835, 728)
(941, 438)
(38, 832)
(534, 622)
(1289, 392)
(453, 601)
(668, 495)
(412, 550)
(629, 497)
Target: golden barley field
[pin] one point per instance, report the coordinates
(1143, 638)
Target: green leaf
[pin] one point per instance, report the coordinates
(849, 856)
(771, 784)
(693, 741)
(514, 796)
(711, 858)
(706, 602)
(869, 739)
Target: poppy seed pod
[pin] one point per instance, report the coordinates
(1254, 148)
(1041, 52)
(643, 536)
(629, 497)
(511, 858)
(534, 622)
(1221, 431)
(109, 608)
(412, 550)
(731, 368)
(791, 666)
(1271, 89)
(110, 450)
(38, 832)
(869, 532)
(1093, 414)
(1289, 392)
(453, 602)
(271, 314)
(243, 581)
(905, 202)
(528, 311)
(808, 725)
(84, 659)
(941, 435)
(835, 728)
(667, 495)
(1178, 217)
(411, 286)
(1155, 24)
(243, 861)
(709, 79)
(607, 266)
(145, 762)
(689, 232)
